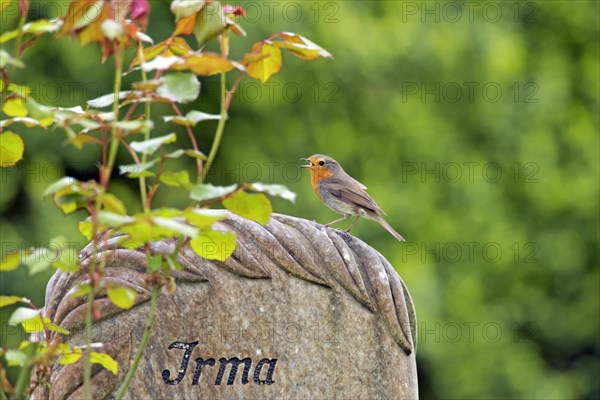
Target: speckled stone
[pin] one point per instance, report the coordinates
(301, 310)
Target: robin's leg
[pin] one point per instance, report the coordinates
(353, 222)
(346, 216)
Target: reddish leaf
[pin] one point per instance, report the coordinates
(301, 47)
(76, 12)
(185, 25)
(235, 10)
(139, 12)
(207, 64)
(149, 53)
(139, 8)
(93, 31)
(250, 58)
(177, 46)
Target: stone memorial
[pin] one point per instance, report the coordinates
(298, 311)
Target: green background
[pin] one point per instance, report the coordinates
(475, 127)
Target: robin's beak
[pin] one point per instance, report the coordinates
(307, 165)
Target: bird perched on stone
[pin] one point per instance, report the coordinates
(342, 193)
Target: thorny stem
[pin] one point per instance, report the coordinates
(143, 189)
(143, 343)
(130, 150)
(23, 378)
(192, 139)
(105, 172)
(232, 90)
(154, 187)
(220, 128)
(19, 40)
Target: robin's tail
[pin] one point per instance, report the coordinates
(387, 226)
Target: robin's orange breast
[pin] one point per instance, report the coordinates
(316, 174)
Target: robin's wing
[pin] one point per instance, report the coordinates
(352, 194)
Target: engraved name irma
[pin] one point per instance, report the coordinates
(266, 364)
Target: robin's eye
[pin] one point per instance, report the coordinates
(321, 163)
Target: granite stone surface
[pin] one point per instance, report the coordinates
(299, 311)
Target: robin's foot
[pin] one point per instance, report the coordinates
(352, 224)
(338, 220)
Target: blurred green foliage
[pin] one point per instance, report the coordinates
(474, 125)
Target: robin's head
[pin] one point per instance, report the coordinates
(321, 165)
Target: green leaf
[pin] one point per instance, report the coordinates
(265, 67)
(191, 118)
(7, 59)
(41, 26)
(214, 245)
(20, 90)
(121, 296)
(10, 261)
(111, 203)
(73, 197)
(176, 154)
(8, 300)
(6, 36)
(176, 179)
(210, 22)
(11, 149)
(109, 99)
(204, 218)
(69, 355)
(113, 220)
(33, 324)
(204, 191)
(16, 358)
(23, 314)
(151, 145)
(68, 260)
(137, 170)
(195, 154)
(85, 228)
(39, 259)
(51, 326)
(83, 289)
(166, 212)
(134, 126)
(105, 360)
(256, 207)
(28, 122)
(36, 27)
(185, 8)
(175, 226)
(59, 184)
(44, 115)
(275, 190)
(181, 87)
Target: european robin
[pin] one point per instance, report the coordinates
(342, 193)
